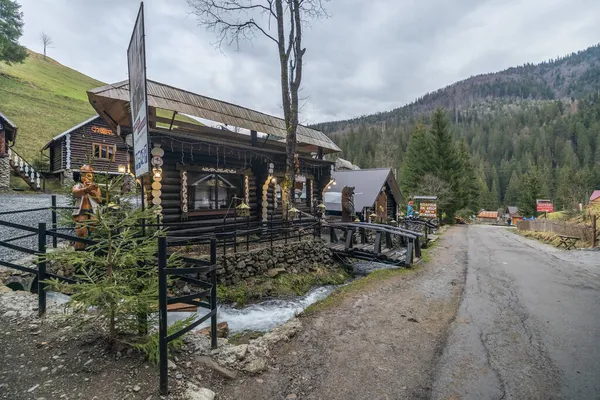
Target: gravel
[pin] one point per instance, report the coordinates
(12, 202)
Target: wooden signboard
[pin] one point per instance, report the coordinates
(428, 209)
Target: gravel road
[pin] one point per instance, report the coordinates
(528, 326)
(10, 202)
(492, 316)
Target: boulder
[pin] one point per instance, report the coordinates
(256, 366)
(222, 330)
(195, 393)
(241, 265)
(273, 272)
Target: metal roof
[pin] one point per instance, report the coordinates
(595, 195)
(55, 138)
(113, 101)
(488, 214)
(367, 186)
(512, 210)
(425, 198)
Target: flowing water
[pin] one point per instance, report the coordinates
(262, 316)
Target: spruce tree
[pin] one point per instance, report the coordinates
(469, 192)
(11, 29)
(532, 190)
(417, 160)
(513, 190)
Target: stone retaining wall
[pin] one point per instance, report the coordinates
(295, 258)
(4, 173)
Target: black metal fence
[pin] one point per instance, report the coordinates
(209, 290)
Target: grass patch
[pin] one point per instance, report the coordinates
(244, 337)
(284, 285)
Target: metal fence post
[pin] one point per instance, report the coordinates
(41, 272)
(213, 293)
(162, 316)
(54, 238)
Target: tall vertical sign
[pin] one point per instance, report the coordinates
(138, 97)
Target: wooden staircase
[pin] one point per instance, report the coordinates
(25, 170)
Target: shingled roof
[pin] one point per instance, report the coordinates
(112, 101)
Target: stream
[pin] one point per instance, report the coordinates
(262, 316)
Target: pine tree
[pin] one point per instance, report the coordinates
(116, 275)
(468, 195)
(11, 29)
(513, 190)
(417, 160)
(532, 190)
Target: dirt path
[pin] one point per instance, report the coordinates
(381, 343)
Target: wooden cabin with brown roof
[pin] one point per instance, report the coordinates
(207, 171)
(91, 142)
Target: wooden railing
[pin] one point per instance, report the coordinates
(26, 171)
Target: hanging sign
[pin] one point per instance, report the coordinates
(138, 97)
(428, 209)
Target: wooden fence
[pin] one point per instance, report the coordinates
(584, 232)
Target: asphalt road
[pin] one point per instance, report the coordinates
(528, 325)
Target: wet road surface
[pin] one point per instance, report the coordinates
(528, 325)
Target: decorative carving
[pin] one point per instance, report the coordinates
(68, 151)
(265, 202)
(246, 189)
(184, 195)
(157, 163)
(348, 204)
(88, 197)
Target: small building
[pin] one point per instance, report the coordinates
(374, 190)
(512, 215)
(91, 142)
(595, 197)
(8, 136)
(207, 171)
(487, 216)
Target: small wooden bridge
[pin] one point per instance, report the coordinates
(374, 242)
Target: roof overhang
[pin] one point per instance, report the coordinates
(9, 127)
(112, 103)
(59, 136)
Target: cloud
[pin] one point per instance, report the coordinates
(369, 56)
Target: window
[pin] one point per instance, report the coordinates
(104, 151)
(214, 191)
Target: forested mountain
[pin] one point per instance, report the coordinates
(534, 123)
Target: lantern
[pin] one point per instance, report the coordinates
(293, 213)
(356, 219)
(321, 210)
(243, 210)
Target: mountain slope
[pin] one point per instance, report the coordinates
(573, 76)
(43, 98)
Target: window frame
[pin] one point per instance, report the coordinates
(107, 148)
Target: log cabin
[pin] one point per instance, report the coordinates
(91, 142)
(207, 171)
(8, 136)
(375, 191)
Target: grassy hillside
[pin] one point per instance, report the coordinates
(44, 98)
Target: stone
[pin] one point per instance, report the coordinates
(171, 365)
(273, 272)
(179, 376)
(210, 364)
(137, 388)
(31, 389)
(44, 369)
(222, 330)
(241, 265)
(240, 351)
(199, 394)
(256, 366)
(259, 381)
(291, 396)
(5, 289)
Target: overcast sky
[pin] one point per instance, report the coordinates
(369, 56)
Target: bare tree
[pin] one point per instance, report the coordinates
(46, 42)
(237, 20)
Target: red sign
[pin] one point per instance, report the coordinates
(544, 206)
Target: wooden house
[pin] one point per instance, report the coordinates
(375, 191)
(209, 170)
(595, 196)
(512, 215)
(8, 135)
(488, 217)
(91, 142)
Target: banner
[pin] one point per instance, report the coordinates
(138, 98)
(428, 209)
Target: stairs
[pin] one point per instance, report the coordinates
(25, 170)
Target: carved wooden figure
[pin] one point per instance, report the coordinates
(88, 197)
